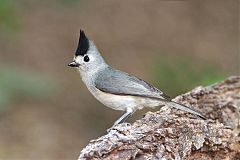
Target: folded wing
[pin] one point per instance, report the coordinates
(121, 83)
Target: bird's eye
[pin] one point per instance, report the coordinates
(86, 59)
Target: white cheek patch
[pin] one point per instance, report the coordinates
(78, 59)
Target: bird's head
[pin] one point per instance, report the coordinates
(87, 57)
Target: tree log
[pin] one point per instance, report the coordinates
(174, 134)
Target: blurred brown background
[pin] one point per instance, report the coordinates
(46, 111)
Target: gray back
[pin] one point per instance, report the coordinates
(117, 82)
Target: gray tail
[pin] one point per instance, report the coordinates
(186, 108)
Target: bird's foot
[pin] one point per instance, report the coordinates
(119, 127)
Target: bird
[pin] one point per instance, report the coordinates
(115, 88)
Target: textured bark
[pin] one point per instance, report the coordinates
(174, 134)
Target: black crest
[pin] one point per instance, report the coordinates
(83, 44)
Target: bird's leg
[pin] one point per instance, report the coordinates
(123, 118)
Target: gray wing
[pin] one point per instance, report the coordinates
(117, 82)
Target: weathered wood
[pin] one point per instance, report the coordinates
(174, 134)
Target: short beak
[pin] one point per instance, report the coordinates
(73, 64)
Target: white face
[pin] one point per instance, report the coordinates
(90, 61)
(86, 62)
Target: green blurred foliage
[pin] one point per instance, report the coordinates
(68, 2)
(16, 83)
(177, 75)
(9, 19)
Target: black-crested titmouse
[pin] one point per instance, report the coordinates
(114, 88)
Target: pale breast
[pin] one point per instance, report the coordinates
(122, 102)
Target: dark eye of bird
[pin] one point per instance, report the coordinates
(86, 59)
